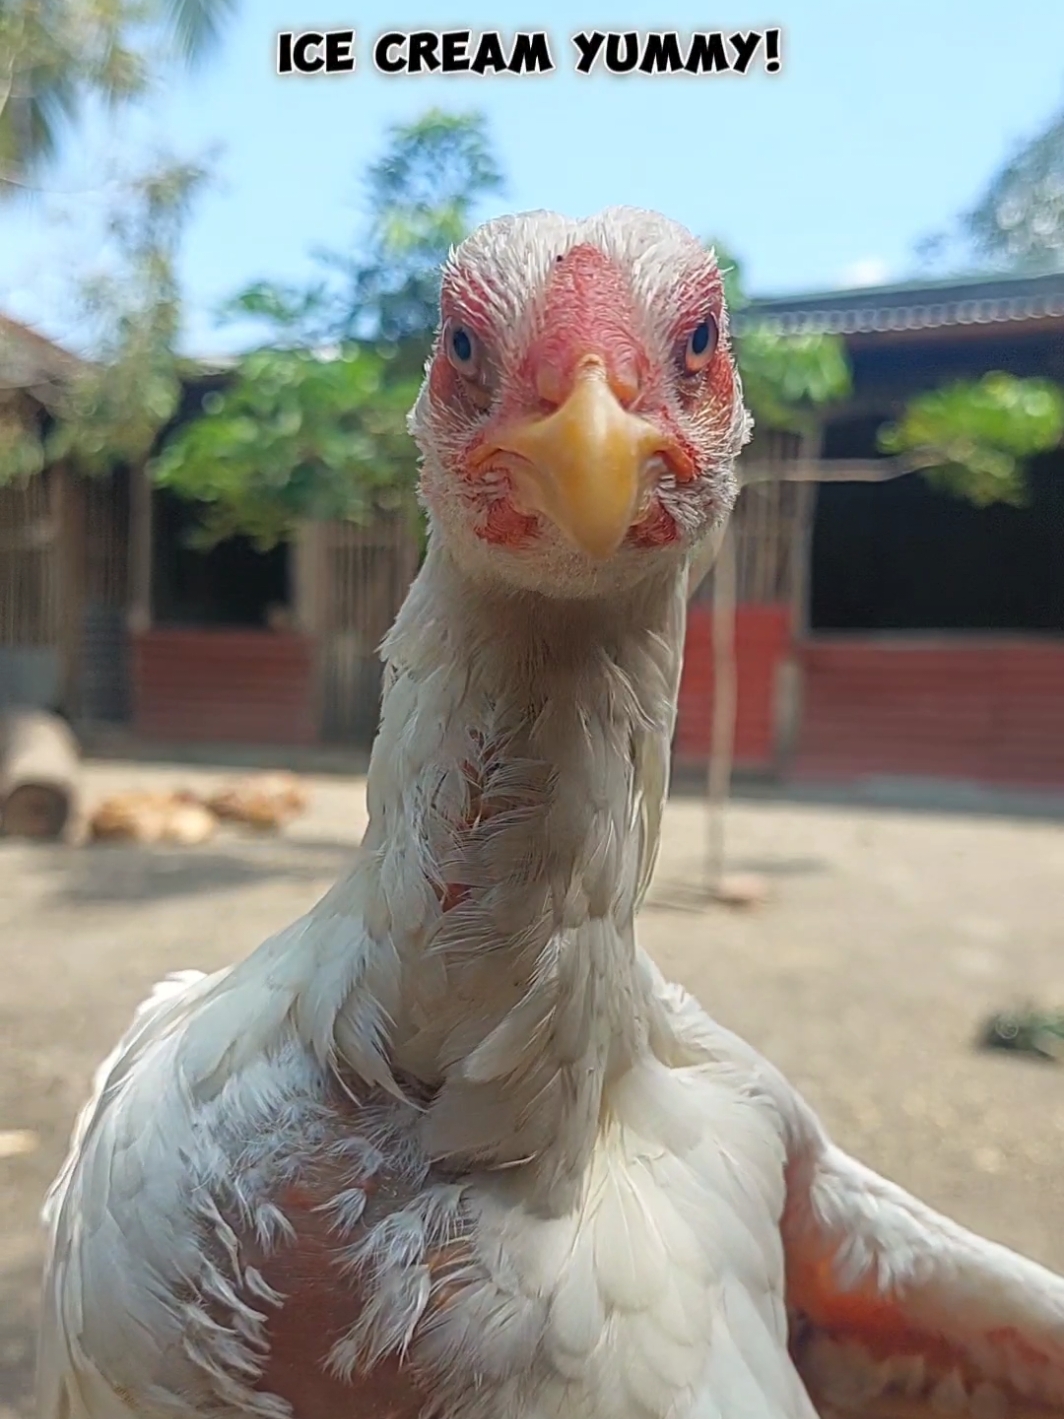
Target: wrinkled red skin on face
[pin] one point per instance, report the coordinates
(505, 526)
(587, 310)
(657, 529)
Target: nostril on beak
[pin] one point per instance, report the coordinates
(550, 385)
(554, 383)
(625, 384)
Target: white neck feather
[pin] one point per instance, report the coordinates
(515, 793)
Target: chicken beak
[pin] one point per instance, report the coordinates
(586, 465)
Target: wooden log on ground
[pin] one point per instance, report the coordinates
(40, 776)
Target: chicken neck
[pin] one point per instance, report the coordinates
(515, 793)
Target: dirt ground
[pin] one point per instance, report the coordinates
(888, 936)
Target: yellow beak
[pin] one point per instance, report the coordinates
(586, 465)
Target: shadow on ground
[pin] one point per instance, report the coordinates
(688, 892)
(132, 873)
(890, 794)
(244, 758)
(18, 1339)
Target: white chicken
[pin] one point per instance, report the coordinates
(449, 1145)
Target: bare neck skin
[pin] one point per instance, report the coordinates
(514, 796)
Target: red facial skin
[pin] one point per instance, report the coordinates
(587, 309)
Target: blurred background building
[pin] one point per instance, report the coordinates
(883, 626)
(210, 550)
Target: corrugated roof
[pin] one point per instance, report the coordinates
(914, 306)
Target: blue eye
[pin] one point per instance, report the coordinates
(463, 349)
(461, 345)
(701, 345)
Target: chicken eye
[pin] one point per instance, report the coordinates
(701, 345)
(462, 349)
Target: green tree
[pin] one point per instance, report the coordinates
(113, 406)
(422, 195)
(312, 424)
(21, 444)
(56, 54)
(789, 381)
(295, 435)
(1018, 222)
(114, 411)
(971, 438)
(292, 316)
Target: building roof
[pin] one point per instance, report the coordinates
(29, 360)
(918, 305)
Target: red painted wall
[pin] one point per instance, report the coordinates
(984, 708)
(224, 686)
(762, 642)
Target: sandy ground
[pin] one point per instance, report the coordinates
(888, 937)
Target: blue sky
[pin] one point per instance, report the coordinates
(887, 118)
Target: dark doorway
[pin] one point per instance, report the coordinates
(900, 556)
(233, 584)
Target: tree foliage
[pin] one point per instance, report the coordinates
(114, 411)
(789, 381)
(21, 445)
(291, 315)
(295, 435)
(1018, 222)
(422, 195)
(970, 438)
(312, 424)
(56, 54)
(112, 407)
(731, 272)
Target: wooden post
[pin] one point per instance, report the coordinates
(69, 549)
(140, 550)
(307, 585)
(719, 772)
(304, 579)
(809, 456)
(789, 689)
(703, 560)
